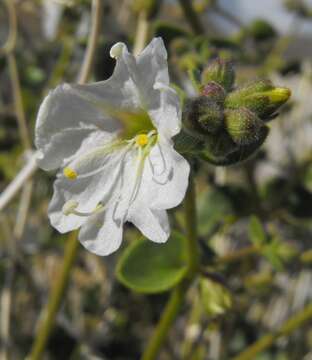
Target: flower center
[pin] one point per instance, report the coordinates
(141, 140)
(96, 161)
(70, 173)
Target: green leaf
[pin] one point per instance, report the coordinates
(215, 298)
(152, 268)
(256, 231)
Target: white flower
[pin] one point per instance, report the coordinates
(112, 143)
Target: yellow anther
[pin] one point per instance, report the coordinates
(70, 173)
(141, 140)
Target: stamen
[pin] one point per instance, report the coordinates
(71, 205)
(70, 173)
(77, 171)
(141, 140)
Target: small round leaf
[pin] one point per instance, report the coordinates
(152, 268)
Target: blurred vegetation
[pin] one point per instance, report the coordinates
(255, 218)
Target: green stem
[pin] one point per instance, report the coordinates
(168, 316)
(287, 327)
(191, 228)
(192, 17)
(177, 296)
(48, 315)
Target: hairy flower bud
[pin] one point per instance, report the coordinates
(243, 126)
(223, 151)
(214, 91)
(220, 71)
(202, 115)
(260, 97)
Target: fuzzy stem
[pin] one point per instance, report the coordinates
(49, 314)
(178, 294)
(287, 327)
(192, 17)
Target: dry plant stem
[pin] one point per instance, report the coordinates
(18, 103)
(6, 296)
(6, 293)
(93, 38)
(178, 294)
(296, 321)
(48, 316)
(141, 33)
(237, 255)
(57, 294)
(23, 208)
(19, 181)
(9, 45)
(8, 51)
(192, 17)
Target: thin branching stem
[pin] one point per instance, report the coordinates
(10, 42)
(92, 42)
(19, 181)
(290, 325)
(141, 33)
(177, 296)
(48, 315)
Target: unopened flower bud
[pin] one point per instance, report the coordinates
(243, 126)
(214, 92)
(203, 115)
(260, 96)
(220, 71)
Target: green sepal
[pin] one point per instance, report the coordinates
(259, 96)
(243, 126)
(220, 71)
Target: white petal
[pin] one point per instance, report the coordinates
(160, 99)
(165, 178)
(101, 234)
(152, 68)
(63, 121)
(153, 224)
(167, 115)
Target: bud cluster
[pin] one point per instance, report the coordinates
(228, 124)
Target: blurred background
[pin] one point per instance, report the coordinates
(271, 192)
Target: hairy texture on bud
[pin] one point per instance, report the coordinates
(220, 71)
(214, 91)
(260, 97)
(243, 126)
(202, 115)
(234, 153)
